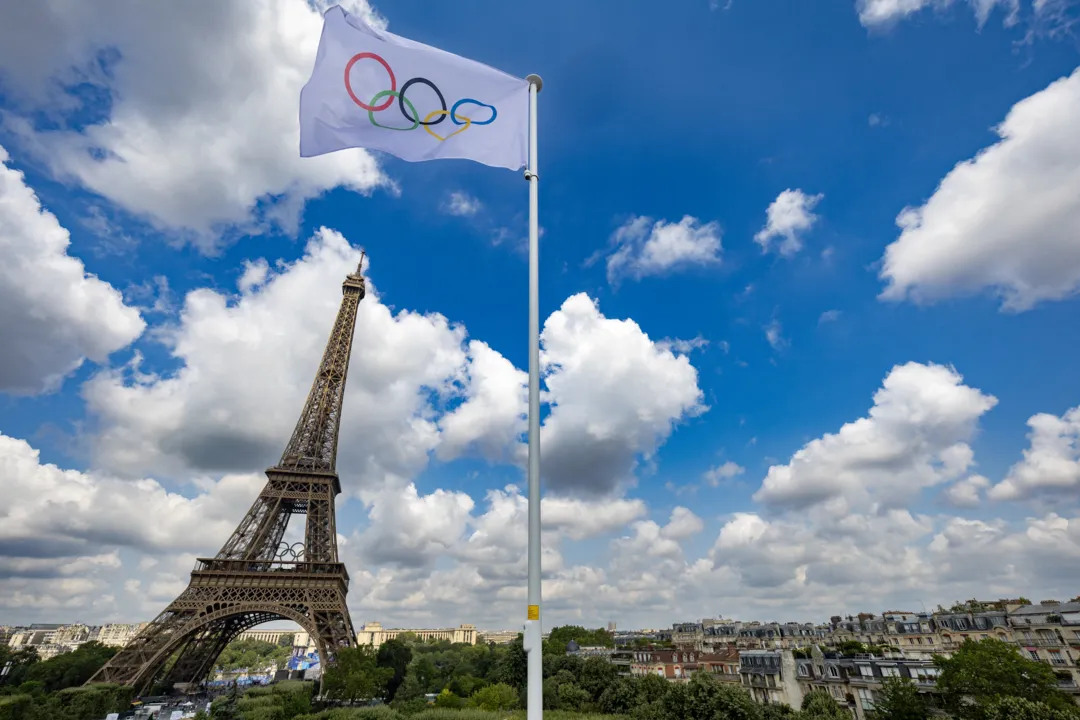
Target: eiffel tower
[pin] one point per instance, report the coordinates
(256, 577)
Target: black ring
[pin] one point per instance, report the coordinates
(401, 101)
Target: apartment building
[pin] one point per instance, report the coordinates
(770, 676)
(1050, 632)
(118, 634)
(681, 665)
(853, 681)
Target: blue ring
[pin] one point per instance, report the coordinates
(453, 112)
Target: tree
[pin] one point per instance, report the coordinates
(899, 699)
(499, 696)
(1014, 708)
(286, 640)
(851, 647)
(513, 668)
(820, 705)
(597, 674)
(355, 675)
(619, 698)
(447, 699)
(395, 655)
(20, 660)
(778, 711)
(981, 672)
(563, 634)
(70, 669)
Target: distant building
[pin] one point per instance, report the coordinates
(770, 676)
(373, 634)
(499, 637)
(118, 634)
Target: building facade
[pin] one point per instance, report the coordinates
(375, 635)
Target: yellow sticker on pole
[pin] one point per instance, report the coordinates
(534, 612)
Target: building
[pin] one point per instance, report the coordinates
(373, 634)
(853, 681)
(622, 659)
(118, 634)
(1050, 632)
(499, 637)
(770, 676)
(681, 665)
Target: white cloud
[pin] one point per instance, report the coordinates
(687, 346)
(201, 127)
(53, 315)
(829, 316)
(78, 520)
(965, 493)
(246, 364)
(878, 13)
(915, 436)
(1005, 220)
(494, 413)
(646, 247)
(614, 395)
(1051, 465)
(774, 333)
(715, 476)
(789, 217)
(463, 205)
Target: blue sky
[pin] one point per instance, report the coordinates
(177, 179)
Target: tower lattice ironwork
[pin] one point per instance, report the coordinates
(256, 577)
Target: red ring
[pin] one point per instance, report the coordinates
(348, 85)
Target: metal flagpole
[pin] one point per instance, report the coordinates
(533, 641)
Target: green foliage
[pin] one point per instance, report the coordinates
(15, 707)
(447, 699)
(355, 675)
(249, 653)
(899, 699)
(286, 641)
(562, 635)
(705, 699)
(619, 698)
(1015, 708)
(499, 696)
(981, 672)
(21, 659)
(396, 655)
(778, 711)
(513, 666)
(820, 705)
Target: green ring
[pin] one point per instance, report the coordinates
(393, 94)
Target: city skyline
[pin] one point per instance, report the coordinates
(806, 311)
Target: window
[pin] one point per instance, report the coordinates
(866, 698)
(834, 671)
(1034, 654)
(890, 672)
(1056, 658)
(866, 671)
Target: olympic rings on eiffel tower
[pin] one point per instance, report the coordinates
(290, 553)
(405, 106)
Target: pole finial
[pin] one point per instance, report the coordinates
(536, 80)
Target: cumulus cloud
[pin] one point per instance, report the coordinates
(463, 205)
(614, 395)
(643, 246)
(915, 436)
(965, 493)
(199, 132)
(1051, 465)
(53, 314)
(788, 218)
(1005, 220)
(715, 476)
(245, 366)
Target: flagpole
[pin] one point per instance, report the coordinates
(533, 639)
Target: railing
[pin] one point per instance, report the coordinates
(269, 566)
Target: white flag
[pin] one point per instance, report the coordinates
(375, 90)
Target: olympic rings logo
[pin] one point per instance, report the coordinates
(408, 111)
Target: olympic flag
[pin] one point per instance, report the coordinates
(373, 89)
